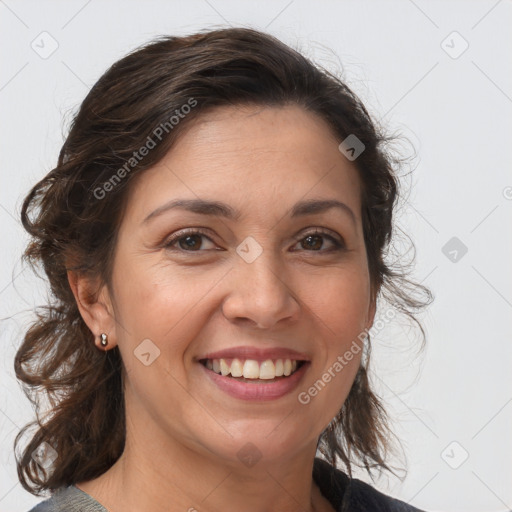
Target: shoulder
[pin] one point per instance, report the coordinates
(47, 505)
(69, 499)
(352, 494)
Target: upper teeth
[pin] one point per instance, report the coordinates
(252, 369)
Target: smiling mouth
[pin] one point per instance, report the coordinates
(250, 370)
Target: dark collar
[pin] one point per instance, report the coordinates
(353, 495)
(332, 482)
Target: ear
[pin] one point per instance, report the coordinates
(95, 306)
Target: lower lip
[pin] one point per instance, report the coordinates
(254, 391)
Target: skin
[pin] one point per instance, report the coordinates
(183, 433)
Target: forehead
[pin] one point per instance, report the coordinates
(258, 159)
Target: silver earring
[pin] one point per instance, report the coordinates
(104, 340)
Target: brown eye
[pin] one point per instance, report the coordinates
(187, 241)
(190, 242)
(314, 242)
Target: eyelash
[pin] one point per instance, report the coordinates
(338, 245)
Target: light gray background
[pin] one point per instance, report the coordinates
(456, 112)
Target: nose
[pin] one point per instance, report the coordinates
(259, 294)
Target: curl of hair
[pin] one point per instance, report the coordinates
(73, 227)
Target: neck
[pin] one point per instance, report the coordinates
(148, 477)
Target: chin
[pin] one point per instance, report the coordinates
(262, 442)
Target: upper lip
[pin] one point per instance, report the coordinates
(258, 354)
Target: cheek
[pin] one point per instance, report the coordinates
(167, 304)
(156, 296)
(340, 301)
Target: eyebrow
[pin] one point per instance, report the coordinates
(219, 209)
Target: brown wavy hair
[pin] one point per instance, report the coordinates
(76, 389)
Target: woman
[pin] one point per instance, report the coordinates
(214, 236)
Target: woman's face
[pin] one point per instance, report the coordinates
(256, 284)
